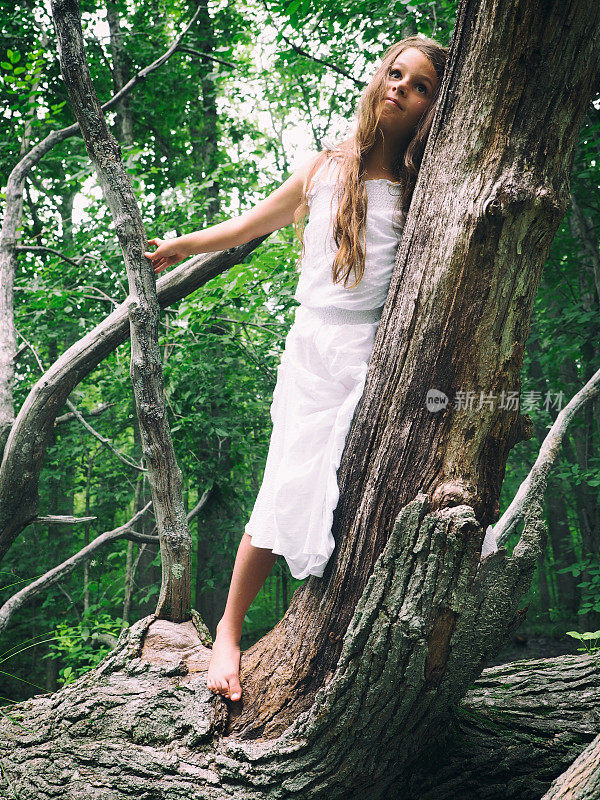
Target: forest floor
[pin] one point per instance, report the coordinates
(534, 645)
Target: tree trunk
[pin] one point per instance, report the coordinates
(456, 320)
(211, 603)
(120, 72)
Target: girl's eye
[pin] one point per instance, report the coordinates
(396, 73)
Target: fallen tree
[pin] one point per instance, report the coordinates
(144, 724)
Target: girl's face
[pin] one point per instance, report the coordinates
(410, 84)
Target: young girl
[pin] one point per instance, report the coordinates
(357, 195)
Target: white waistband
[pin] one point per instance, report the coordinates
(345, 316)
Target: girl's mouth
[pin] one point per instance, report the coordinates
(395, 102)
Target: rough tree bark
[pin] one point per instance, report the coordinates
(491, 192)
(132, 728)
(369, 664)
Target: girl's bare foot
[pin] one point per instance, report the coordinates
(224, 669)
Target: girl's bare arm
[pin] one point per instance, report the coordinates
(274, 212)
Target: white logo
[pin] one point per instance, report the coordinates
(435, 400)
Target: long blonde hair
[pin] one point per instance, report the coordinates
(349, 229)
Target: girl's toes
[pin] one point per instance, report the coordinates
(235, 690)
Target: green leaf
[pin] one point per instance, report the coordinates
(574, 634)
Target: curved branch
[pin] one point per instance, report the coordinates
(106, 442)
(535, 482)
(26, 445)
(57, 573)
(95, 412)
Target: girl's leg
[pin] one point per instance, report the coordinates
(251, 568)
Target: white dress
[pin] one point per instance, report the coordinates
(321, 378)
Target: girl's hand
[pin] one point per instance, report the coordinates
(167, 253)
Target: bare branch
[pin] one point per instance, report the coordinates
(327, 64)
(535, 483)
(55, 575)
(63, 519)
(106, 442)
(40, 249)
(207, 56)
(199, 505)
(95, 412)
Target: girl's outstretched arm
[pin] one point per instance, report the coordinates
(274, 212)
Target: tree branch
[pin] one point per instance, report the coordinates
(534, 484)
(106, 442)
(327, 64)
(62, 519)
(95, 412)
(207, 56)
(54, 575)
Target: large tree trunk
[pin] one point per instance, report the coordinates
(135, 729)
(492, 190)
(367, 667)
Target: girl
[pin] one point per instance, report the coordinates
(358, 194)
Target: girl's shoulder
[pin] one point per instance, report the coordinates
(324, 172)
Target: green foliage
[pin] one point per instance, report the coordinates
(78, 647)
(584, 638)
(590, 568)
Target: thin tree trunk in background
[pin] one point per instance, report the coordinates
(148, 573)
(204, 600)
(120, 72)
(52, 670)
(575, 449)
(212, 547)
(9, 238)
(138, 503)
(204, 139)
(569, 595)
(86, 532)
(556, 510)
(544, 592)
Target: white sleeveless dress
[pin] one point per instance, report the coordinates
(321, 378)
